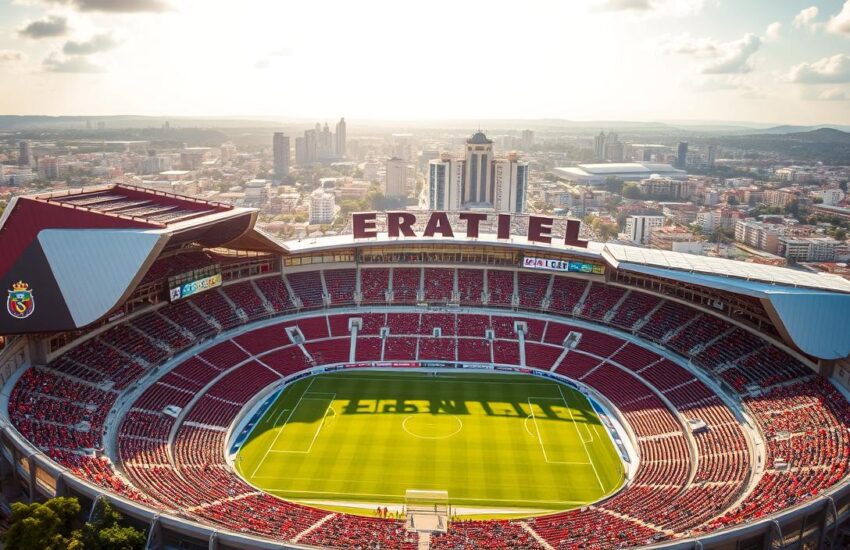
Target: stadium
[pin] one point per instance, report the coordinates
(485, 381)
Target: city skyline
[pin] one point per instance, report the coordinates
(707, 60)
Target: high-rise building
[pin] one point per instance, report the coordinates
(24, 157)
(527, 140)
(478, 180)
(712, 154)
(639, 228)
(682, 155)
(340, 138)
(599, 147)
(48, 168)
(395, 182)
(615, 150)
(478, 188)
(280, 151)
(322, 206)
(306, 148)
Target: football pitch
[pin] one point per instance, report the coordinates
(502, 441)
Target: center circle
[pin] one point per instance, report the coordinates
(432, 426)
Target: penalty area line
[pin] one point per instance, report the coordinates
(277, 435)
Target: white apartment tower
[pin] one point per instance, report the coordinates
(639, 228)
(322, 206)
(478, 180)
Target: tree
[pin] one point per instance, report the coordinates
(49, 526)
(840, 234)
(843, 186)
(631, 191)
(732, 200)
(613, 185)
(105, 532)
(42, 526)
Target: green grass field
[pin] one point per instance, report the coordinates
(489, 440)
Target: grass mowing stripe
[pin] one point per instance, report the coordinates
(467, 435)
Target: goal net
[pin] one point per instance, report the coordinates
(427, 510)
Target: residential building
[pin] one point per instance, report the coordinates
(760, 235)
(322, 207)
(811, 249)
(667, 188)
(665, 238)
(639, 228)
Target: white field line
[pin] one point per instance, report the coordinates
(567, 403)
(540, 439)
(453, 499)
(277, 435)
(318, 429)
(583, 444)
(443, 379)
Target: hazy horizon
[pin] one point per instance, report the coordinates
(706, 61)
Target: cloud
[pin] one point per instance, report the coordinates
(96, 44)
(263, 63)
(735, 57)
(840, 24)
(771, 34)
(829, 70)
(49, 27)
(12, 56)
(806, 18)
(673, 8)
(833, 94)
(732, 57)
(55, 63)
(116, 6)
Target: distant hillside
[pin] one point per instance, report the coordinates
(827, 145)
(821, 135)
(26, 122)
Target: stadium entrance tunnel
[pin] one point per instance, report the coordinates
(495, 442)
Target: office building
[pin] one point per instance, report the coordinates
(479, 180)
(340, 138)
(599, 147)
(527, 140)
(280, 152)
(682, 155)
(24, 156)
(395, 178)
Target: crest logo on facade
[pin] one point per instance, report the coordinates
(20, 303)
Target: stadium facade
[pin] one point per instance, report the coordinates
(142, 328)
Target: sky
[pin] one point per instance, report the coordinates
(769, 61)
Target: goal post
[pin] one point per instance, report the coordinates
(427, 510)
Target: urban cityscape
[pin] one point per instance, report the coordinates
(699, 193)
(540, 275)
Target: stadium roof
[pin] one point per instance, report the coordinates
(82, 252)
(772, 275)
(596, 173)
(810, 308)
